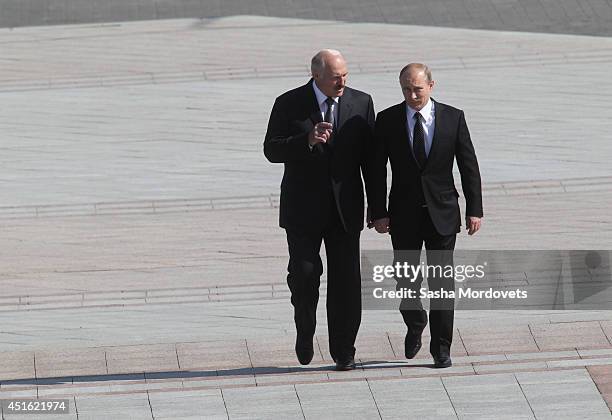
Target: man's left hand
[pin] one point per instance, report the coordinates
(472, 224)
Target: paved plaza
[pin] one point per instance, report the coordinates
(142, 269)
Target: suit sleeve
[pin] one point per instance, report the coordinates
(377, 173)
(279, 145)
(468, 168)
(366, 153)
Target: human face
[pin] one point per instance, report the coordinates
(332, 80)
(416, 88)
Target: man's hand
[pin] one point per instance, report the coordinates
(472, 224)
(320, 133)
(381, 225)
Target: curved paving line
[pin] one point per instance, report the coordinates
(248, 73)
(571, 185)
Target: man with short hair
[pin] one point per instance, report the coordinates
(323, 132)
(422, 138)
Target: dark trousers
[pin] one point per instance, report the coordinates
(343, 283)
(410, 237)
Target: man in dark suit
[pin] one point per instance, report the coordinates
(422, 138)
(323, 132)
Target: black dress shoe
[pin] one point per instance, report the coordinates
(412, 345)
(442, 361)
(345, 363)
(303, 349)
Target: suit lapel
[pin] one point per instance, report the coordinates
(312, 104)
(315, 116)
(345, 108)
(438, 120)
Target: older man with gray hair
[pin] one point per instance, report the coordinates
(323, 134)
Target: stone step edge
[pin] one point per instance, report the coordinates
(512, 188)
(183, 388)
(558, 353)
(8, 386)
(159, 300)
(119, 298)
(141, 297)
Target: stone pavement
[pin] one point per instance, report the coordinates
(142, 110)
(141, 266)
(258, 379)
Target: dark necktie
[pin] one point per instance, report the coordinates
(329, 114)
(418, 141)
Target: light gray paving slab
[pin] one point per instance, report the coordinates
(572, 416)
(488, 368)
(143, 385)
(293, 378)
(429, 370)
(486, 358)
(481, 395)
(416, 398)
(52, 389)
(17, 365)
(577, 335)
(265, 402)
(581, 362)
(25, 393)
(84, 361)
(200, 404)
(365, 373)
(280, 352)
(543, 355)
(594, 352)
(224, 381)
(351, 400)
(143, 358)
(500, 339)
(571, 394)
(374, 346)
(553, 377)
(133, 406)
(213, 355)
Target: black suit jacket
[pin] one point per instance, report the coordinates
(315, 181)
(451, 140)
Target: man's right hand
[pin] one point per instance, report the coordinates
(320, 133)
(381, 225)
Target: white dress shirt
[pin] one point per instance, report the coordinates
(321, 100)
(429, 116)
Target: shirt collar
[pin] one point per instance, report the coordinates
(321, 97)
(426, 111)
